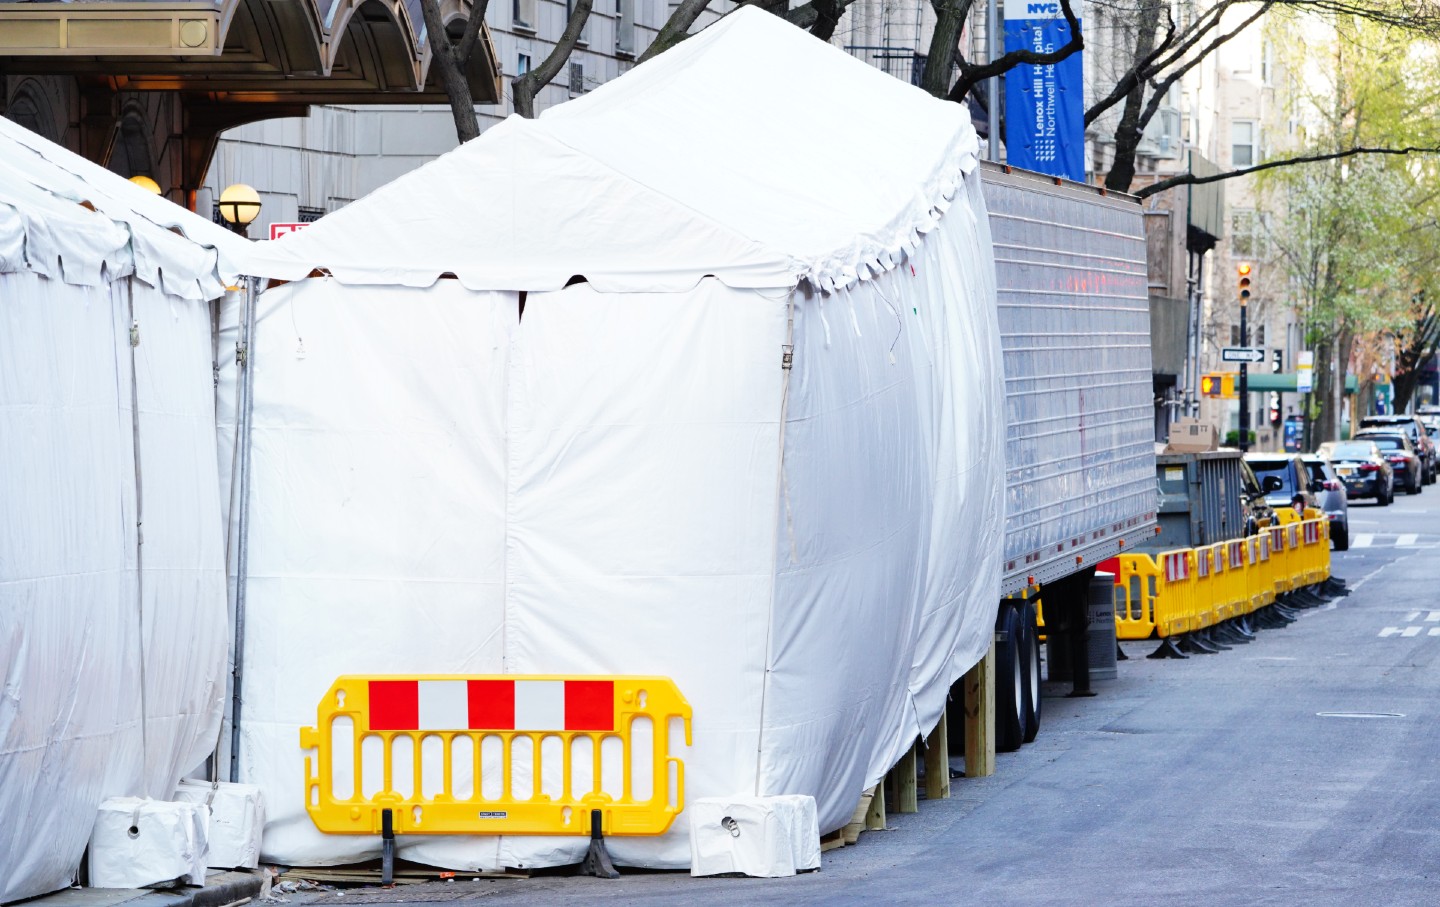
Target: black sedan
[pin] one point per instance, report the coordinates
(1396, 449)
(1363, 468)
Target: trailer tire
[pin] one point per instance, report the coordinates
(1030, 657)
(1009, 682)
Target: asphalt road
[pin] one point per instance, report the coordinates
(1303, 768)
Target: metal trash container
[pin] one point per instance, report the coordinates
(1099, 633)
(1102, 627)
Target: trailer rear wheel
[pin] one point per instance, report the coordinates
(1009, 682)
(1030, 656)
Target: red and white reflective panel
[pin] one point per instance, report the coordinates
(1237, 553)
(492, 705)
(1312, 533)
(1177, 567)
(1202, 562)
(1264, 543)
(1294, 539)
(1277, 538)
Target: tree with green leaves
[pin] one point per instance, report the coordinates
(1357, 234)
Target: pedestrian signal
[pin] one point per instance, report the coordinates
(1220, 384)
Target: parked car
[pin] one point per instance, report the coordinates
(1395, 446)
(1257, 511)
(1294, 478)
(1363, 468)
(1419, 438)
(1333, 502)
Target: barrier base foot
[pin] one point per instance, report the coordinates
(1167, 649)
(1241, 626)
(597, 858)
(1229, 635)
(1193, 644)
(1208, 635)
(387, 848)
(1285, 612)
(1335, 586)
(1120, 653)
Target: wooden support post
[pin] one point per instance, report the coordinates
(875, 818)
(907, 791)
(937, 762)
(980, 717)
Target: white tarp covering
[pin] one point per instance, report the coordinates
(111, 651)
(626, 480)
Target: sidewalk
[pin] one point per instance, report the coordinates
(222, 888)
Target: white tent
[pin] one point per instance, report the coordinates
(593, 452)
(112, 572)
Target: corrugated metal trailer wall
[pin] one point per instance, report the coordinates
(1075, 328)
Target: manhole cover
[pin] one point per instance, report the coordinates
(1359, 714)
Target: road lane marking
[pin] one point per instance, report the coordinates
(1412, 617)
(1435, 631)
(1412, 631)
(1434, 615)
(1406, 540)
(1389, 631)
(1363, 540)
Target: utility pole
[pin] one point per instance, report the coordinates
(1243, 271)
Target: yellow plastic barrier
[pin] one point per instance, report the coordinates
(506, 754)
(1185, 590)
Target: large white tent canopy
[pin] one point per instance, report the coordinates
(756, 447)
(112, 569)
(749, 153)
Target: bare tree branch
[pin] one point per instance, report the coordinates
(676, 28)
(1135, 76)
(1190, 179)
(971, 74)
(526, 86)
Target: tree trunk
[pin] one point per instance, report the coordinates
(524, 88)
(950, 16)
(1130, 130)
(451, 70)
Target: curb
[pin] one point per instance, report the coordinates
(221, 890)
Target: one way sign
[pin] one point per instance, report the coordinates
(1242, 354)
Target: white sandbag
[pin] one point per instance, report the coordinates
(237, 816)
(758, 836)
(138, 843)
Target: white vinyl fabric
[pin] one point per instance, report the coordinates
(702, 161)
(111, 648)
(627, 479)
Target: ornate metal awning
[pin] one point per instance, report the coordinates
(230, 62)
(241, 51)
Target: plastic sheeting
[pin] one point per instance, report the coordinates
(442, 487)
(111, 651)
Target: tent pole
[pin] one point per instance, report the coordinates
(992, 90)
(242, 430)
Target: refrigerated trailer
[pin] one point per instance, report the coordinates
(1074, 319)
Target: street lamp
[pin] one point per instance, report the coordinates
(239, 206)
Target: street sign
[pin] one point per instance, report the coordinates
(1305, 372)
(1242, 354)
(279, 230)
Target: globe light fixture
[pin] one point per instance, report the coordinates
(146, 183)
(239, 206)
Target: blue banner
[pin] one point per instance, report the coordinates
(1044, 105)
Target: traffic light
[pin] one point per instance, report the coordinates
(1277, 360)
(1274, 408)
(1219, 384)
(1243, 273)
